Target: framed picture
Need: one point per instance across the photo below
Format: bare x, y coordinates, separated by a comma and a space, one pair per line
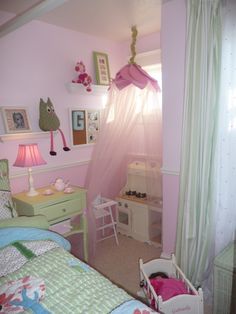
92, 125
78, 120
102, 68
16, 119
84, 126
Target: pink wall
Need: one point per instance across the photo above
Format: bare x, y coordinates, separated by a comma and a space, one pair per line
173, 31
144, 44
36, 61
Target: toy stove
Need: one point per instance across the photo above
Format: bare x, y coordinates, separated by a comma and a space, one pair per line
140, 203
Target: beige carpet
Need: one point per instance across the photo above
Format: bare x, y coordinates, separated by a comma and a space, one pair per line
120, 263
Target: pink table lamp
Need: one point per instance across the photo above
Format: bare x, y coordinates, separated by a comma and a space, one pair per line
29, 156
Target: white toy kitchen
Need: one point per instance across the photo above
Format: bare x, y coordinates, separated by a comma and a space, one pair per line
139, 210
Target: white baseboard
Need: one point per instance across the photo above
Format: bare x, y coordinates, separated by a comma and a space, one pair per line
165, 255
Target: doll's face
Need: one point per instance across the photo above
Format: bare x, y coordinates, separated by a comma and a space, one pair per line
18, 120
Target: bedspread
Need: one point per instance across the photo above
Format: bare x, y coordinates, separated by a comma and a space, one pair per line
72, 286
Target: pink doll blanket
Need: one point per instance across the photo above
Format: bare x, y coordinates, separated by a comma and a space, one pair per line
168, 287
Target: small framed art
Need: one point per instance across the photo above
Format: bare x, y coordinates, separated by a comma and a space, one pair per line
16, 119
78, 120
84, 126
102, 68
92, 126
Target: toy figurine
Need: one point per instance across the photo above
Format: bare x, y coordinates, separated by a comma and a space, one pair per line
83, 78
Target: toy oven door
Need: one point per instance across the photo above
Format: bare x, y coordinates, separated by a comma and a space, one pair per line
124, 217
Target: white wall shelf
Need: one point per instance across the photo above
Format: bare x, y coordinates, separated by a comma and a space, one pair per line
97, 90
25, 135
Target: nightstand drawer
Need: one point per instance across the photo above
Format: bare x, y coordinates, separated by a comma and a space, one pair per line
57, 211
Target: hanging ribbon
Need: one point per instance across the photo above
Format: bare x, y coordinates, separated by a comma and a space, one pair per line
132, 46
132, 73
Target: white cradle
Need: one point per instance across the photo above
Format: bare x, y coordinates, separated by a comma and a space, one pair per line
184, 303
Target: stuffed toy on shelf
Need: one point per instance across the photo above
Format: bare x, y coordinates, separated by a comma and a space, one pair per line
83, 78
48, 121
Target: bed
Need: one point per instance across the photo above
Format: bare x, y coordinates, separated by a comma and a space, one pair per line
70, 285
185, 299
39, 275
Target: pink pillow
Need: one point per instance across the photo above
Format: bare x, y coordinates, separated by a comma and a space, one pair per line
168, 287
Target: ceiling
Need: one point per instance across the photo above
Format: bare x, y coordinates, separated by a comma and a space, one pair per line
111, 19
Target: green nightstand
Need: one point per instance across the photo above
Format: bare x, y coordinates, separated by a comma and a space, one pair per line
59, 208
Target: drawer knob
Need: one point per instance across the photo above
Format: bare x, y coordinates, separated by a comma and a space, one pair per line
126, 205
64, 210
119, 203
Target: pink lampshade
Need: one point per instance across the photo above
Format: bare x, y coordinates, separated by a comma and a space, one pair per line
29, 156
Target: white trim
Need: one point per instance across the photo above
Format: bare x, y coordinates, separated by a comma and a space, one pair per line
32, 13
143, 156
148, 58
165, 255
170, 172
97, 90
44, 169
23, 135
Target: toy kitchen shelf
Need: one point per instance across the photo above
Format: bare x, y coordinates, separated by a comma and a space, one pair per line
97, 90
138, 214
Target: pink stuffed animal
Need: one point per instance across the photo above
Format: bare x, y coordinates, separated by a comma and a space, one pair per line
83, 77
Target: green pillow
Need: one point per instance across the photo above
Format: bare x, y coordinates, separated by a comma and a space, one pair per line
39, 221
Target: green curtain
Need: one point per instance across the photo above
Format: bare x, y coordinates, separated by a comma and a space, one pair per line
201, 103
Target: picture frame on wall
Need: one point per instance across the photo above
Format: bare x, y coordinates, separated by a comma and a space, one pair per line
85, 124
102, 68
78, 120
16, 119
92, 126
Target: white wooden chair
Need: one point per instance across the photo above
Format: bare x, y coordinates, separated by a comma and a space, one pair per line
102, 208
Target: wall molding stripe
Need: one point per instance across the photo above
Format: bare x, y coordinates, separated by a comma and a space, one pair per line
170, 172
44, 169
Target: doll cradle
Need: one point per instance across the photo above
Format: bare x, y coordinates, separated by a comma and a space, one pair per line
184, 303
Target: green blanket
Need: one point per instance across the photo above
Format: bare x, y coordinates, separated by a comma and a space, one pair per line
71, 286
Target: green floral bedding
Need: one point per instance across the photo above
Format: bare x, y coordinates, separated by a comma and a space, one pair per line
71, 286
65, 284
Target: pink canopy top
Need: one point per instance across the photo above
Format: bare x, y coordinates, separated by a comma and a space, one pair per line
134, 74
